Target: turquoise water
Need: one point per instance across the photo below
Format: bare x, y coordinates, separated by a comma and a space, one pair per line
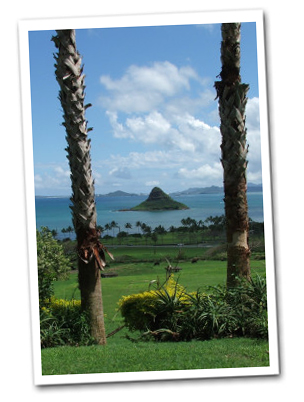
56, 214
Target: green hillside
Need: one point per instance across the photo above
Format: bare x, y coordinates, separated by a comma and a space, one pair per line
159, 201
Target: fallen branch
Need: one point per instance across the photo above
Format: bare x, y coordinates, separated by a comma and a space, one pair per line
115, 331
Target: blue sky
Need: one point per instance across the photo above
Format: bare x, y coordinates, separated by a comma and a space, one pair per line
154, 116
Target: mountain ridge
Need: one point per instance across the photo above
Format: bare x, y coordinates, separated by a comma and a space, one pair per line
117, 193
158, 200
251, 187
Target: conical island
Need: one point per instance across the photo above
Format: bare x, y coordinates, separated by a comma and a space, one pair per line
159, 201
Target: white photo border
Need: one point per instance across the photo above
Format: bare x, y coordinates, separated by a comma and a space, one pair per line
138, 20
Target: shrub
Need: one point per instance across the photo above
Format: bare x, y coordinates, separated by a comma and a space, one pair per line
62, 322
170, 313
148, 310
138, 310
249, 301
242, 310
208, 317
51, 334
52, 263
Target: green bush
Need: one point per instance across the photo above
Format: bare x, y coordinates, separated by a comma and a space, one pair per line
162, 312
62, 322
207, 317
249, 301
151, 309
52, 263
170, 313
138, 311
51, 334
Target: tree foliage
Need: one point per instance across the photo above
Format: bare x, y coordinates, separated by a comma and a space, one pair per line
53, 264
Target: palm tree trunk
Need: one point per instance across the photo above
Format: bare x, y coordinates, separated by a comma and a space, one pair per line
232, 103
90, 251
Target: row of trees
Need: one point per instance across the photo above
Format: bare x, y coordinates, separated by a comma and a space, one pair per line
190, 231
214, 226
188, 224
214, 223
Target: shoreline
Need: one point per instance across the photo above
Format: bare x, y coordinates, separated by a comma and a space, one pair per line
152, 210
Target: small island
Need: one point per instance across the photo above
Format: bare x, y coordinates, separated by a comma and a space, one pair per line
159, 201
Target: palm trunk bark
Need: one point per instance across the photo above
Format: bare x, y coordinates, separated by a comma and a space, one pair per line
90, 250
232, 102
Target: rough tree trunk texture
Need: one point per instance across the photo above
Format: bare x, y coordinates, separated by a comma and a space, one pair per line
232, 103
90, 250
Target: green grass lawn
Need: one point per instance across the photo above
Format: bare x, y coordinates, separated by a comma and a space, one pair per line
122, 355
134, 277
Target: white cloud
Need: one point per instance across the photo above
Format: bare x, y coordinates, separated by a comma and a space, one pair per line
253, 140
120, 172
51, 178
205, 175
39, 182
118, 129
181, 131
159, 108
49, 181
254, 177
141, 160
208, 27
162, 122
152, 183
143, 88
191, 104
155, 107
60, 172
38, 178
204, 138
253, 114
161, 77
151, 128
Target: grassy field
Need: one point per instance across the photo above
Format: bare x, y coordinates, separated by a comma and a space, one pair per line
135, 268
121, 355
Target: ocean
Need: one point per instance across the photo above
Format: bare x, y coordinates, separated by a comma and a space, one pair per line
54, 212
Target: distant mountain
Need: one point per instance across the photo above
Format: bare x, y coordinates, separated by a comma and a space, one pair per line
159, 201
215, 190
199, 190
118, 193
191, 191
